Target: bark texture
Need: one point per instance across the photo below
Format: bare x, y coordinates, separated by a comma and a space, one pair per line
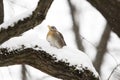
44, 62
110, 9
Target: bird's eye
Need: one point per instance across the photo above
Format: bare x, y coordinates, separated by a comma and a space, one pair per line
53, 28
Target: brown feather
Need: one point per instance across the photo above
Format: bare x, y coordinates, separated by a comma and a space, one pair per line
55, 38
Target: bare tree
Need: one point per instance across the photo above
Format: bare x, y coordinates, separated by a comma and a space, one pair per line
102, 48
76, 27
110, 9
39, 59
1, 11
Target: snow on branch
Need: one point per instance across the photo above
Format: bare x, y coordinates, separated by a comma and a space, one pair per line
19, 26
65, 63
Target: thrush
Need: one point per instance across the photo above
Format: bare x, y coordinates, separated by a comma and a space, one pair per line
55, 38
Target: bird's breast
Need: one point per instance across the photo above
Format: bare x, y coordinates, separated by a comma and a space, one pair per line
50, 37
53, 39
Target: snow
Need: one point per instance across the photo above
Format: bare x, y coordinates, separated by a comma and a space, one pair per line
14, 20
66, 54
115, 75
59, 16
37, 36
74, 57
10, 71
42, 76
18, 16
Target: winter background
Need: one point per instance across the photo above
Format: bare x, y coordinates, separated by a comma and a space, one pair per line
92, 25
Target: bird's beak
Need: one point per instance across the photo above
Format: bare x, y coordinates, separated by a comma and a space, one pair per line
49, 27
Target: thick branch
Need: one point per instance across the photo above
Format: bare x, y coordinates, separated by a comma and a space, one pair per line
44, 62
1, 11
30, 22
110, 9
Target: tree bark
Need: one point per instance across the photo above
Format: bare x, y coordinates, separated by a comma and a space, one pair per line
102, 48
110, 9
76, 27
44, 62
1, 11
30, 22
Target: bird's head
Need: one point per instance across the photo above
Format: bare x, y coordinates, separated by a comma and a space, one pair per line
52, 28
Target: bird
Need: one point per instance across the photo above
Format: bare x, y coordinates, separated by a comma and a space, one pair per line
55, 38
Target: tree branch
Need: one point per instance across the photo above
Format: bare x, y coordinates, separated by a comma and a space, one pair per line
30, 22
76, 27
110, 9
37, 57
44, 62
1, 11
102, 48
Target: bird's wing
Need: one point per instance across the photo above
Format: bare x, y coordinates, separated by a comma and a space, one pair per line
62, 38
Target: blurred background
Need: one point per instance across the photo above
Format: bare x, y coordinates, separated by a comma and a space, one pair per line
82, 26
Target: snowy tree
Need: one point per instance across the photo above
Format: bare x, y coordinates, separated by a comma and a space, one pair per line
65, 63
